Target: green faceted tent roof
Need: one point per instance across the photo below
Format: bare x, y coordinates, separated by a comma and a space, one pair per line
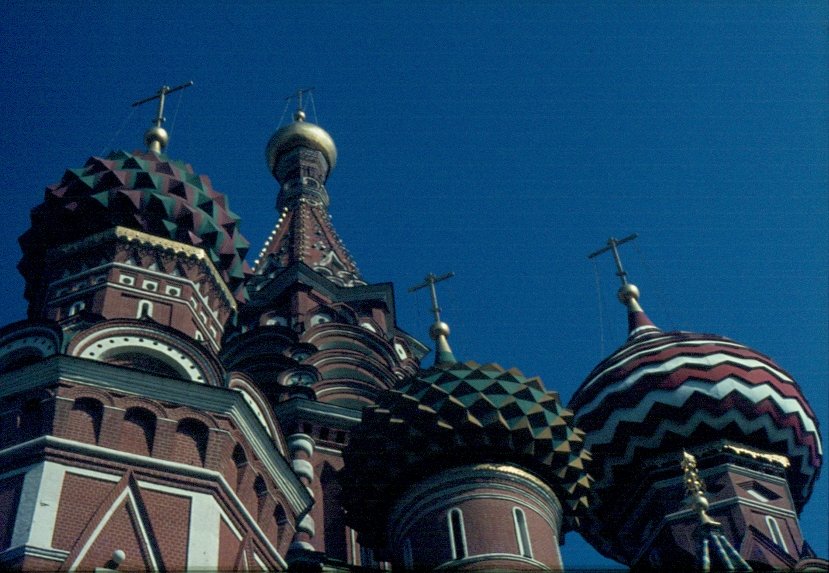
142, 191
456, 414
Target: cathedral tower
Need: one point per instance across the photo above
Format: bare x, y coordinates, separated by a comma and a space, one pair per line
315, 338
754, 439
124, 442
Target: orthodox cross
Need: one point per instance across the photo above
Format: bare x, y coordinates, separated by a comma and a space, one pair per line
612, 245
298, 95
430, 282
160, 96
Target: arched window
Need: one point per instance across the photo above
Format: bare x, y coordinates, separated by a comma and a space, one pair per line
522, 533
85, 419
261, 493
457, 533
775, 533
191, 442
138, 432
145, 309
281, 519
240, 460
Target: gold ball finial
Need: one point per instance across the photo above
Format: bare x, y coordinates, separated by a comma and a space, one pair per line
156, 139
438, 329
299, 115
628, 292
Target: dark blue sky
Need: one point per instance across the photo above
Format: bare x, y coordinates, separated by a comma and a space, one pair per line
501, 141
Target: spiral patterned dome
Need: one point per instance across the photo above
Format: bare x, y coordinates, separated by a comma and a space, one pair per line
454, 414
142, 191
665, 391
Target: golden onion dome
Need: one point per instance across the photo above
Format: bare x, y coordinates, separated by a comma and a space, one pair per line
300, 133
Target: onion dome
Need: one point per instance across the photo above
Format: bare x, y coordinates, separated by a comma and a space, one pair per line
300, 134
143, 191
664, 391
455, 414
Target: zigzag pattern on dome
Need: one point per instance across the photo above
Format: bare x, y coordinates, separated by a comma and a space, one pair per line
456, 414
695, 386
142, 191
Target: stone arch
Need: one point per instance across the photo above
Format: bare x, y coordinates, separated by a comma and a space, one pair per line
260, 407
150, 347
24, 343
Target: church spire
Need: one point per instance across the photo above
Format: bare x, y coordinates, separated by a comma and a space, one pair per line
439, 331
628, 293
301, 156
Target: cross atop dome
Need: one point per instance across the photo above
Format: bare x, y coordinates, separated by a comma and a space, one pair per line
439, 331
299, 114
156, 138
628, 293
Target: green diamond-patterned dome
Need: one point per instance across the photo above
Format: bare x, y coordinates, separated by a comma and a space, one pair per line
456, 414
142, 191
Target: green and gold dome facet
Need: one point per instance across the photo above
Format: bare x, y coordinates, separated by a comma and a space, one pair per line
455, 414
143, 191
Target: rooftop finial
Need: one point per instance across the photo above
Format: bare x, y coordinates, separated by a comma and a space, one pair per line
299, 114
628, 293
156, 138
439, 331
612, 245
695, 488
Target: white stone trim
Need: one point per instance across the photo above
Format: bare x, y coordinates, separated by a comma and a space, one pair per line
456, 511
37, 510
522, 531
212, 399
303, 468
532, 564
113, 340
448, 488
127, 495
205, 521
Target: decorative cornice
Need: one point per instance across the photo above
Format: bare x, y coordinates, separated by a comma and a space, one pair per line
778, 459
32, 551
131, 235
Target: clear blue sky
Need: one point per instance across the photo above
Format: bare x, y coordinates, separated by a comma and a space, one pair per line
501, 141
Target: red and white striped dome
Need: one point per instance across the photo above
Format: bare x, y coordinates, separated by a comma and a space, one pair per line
662, 391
